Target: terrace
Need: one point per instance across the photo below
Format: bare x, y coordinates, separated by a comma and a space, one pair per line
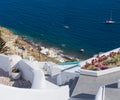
102, 63
30, 85
98, 71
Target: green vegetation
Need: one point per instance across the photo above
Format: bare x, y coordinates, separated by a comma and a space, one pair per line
3, 48
15, 70
104, 62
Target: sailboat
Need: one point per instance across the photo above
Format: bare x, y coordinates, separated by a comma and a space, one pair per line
110, 21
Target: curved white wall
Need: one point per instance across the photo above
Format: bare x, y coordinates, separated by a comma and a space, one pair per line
26, 71
38, 80
39, 91
11, 93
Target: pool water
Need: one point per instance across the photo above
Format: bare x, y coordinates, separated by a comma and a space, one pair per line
69, 63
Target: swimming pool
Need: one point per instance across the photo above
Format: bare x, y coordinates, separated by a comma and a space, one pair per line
68, 63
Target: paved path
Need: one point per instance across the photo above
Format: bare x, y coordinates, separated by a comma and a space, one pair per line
6, 80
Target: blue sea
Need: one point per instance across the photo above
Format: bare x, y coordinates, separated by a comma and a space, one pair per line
68, 25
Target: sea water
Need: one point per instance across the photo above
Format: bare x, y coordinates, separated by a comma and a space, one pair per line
69, 25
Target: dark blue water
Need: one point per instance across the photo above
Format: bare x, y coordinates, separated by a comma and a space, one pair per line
44, 21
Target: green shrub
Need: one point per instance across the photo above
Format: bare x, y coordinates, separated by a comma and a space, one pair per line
15, 70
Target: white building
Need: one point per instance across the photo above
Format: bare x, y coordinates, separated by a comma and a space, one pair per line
41, 89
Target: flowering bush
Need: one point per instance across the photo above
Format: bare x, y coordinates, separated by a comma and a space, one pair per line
104, 62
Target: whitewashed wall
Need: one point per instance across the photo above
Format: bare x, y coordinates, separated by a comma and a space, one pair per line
39, 80
11, 93
100, 94
26, 71
53, 70
30, 71
4, 62
41, 64
65, 77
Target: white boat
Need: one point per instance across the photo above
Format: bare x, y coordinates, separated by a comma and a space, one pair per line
67, 27
110, 21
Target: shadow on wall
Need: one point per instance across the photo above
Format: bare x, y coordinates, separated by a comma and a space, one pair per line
85, 96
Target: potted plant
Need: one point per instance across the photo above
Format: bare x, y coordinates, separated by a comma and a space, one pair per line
15, 73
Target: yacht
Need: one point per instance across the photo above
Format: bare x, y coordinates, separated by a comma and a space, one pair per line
110, 21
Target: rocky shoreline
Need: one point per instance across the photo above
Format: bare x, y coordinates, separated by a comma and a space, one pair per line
28, 50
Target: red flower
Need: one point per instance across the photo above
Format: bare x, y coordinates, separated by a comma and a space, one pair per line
99, 65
